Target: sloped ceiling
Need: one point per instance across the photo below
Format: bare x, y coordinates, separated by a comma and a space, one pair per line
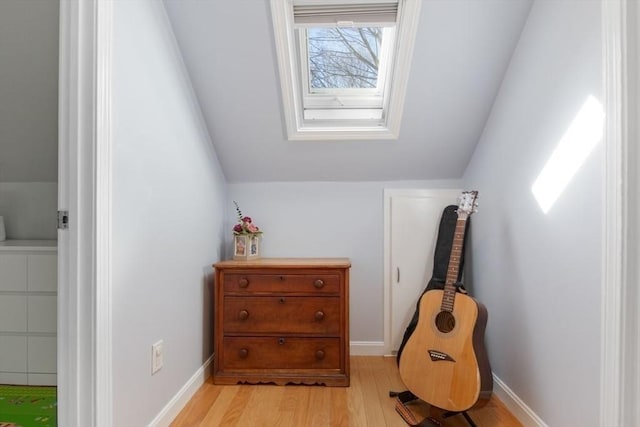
462, 51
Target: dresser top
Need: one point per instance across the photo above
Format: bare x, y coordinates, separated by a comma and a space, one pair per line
287, 263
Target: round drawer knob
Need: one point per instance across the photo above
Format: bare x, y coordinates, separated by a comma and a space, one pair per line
243, 283
320, 354
243, 315
243, 353
281, 341
281, 300
319, 283
319, 315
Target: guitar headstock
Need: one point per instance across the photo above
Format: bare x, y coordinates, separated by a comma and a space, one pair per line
468, 204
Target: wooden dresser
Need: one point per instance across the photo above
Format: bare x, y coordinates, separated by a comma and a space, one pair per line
282, 320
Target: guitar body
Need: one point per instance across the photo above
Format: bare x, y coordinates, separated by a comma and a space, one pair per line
444, 362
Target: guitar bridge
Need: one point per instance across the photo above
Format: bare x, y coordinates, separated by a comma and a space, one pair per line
438, 356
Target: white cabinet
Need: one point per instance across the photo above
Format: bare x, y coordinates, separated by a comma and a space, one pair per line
13, 272
42, 270
13, 313
28, 312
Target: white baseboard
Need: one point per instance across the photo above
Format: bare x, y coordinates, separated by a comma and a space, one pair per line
175, 405
367, 348
516, 406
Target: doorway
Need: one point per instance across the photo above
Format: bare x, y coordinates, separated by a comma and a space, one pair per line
29, 54
412, 218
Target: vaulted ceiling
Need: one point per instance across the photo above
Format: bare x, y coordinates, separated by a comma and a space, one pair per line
462, 50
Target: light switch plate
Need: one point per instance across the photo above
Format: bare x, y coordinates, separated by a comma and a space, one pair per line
157, 356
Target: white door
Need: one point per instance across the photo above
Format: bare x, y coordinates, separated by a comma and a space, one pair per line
412, 218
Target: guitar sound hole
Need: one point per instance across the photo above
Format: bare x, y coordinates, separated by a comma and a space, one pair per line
445, 322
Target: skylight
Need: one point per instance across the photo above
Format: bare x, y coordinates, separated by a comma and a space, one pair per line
343, 57
344, 71
343, 67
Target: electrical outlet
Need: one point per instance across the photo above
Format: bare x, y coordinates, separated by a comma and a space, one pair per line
157, 356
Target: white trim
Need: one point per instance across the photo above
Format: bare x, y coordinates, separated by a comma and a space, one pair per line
103, 212
614, 287
84, 332
367, 348
516, 406
77, 399
182, 397
405, 39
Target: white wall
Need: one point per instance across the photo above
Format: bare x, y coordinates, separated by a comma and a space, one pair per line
540, 274
29, 117
29, 91
169, 197
328, 219
29, 209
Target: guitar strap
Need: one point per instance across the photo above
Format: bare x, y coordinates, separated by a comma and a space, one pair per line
402, 399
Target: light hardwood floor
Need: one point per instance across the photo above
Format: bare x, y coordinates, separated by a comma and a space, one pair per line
365, 403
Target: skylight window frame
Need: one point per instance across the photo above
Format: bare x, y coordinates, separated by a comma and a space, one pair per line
330, 124
345, 98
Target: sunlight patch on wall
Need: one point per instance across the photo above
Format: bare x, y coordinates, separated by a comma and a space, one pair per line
582, 136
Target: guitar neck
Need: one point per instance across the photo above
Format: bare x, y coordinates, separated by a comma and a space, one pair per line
454, 264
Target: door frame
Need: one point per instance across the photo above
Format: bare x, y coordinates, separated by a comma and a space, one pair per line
84, 190
620, 324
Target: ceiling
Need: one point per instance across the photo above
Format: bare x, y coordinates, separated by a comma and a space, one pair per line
462, 51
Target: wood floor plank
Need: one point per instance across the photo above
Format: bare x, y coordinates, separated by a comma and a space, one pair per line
355, 400
318, 412
365, 403
198, 406
220, 407
237, 406
299, 396
383, 387
339, 407
262, 407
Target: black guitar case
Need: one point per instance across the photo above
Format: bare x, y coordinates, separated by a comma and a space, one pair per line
441, 257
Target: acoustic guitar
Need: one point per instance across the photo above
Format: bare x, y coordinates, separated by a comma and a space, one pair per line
444, 361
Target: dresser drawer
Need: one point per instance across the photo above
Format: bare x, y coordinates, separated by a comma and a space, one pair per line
289, 353
310, 283
282, 314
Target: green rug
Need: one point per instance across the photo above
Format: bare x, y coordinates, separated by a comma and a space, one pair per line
27, 406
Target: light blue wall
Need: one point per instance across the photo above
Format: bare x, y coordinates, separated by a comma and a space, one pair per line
169, 198
29, 118
540, 274
329, 219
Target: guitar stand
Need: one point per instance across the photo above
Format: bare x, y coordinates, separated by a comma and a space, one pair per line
406, 414
464, 414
